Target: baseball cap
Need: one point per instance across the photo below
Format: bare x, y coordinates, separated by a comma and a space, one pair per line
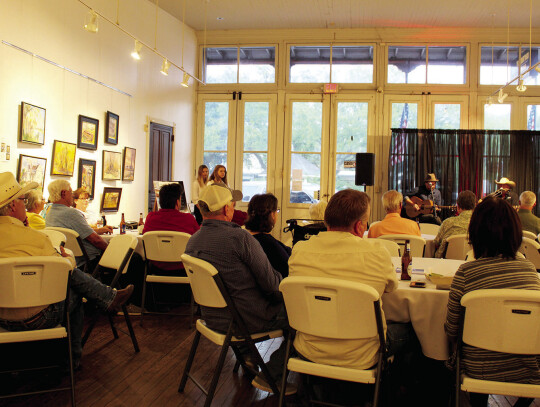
217, 196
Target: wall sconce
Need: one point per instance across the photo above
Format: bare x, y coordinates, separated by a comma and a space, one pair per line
136, 54
185, 80
91, 22
165, 67
521, 87
502, 96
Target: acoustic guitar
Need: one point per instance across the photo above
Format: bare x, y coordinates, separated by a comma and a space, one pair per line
426, 207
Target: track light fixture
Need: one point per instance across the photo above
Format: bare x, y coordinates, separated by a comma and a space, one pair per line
521, 87
91, 22
136, 54
502, 96
165, 67
489, 101
185, 80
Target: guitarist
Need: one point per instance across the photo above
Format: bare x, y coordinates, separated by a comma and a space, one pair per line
428, 191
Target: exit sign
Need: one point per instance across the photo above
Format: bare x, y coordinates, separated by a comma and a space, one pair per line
330, 88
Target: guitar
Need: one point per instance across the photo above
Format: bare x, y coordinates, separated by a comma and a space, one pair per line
426, 207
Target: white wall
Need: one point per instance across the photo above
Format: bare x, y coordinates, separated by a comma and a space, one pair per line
54, 30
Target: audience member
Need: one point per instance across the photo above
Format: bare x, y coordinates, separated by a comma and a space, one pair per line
393, 223
80, 202
34, 205
529, 222
219, 176
198, 185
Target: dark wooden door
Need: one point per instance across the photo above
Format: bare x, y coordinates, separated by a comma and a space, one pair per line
161, 139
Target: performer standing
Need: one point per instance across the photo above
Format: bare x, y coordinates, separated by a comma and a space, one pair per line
428, 191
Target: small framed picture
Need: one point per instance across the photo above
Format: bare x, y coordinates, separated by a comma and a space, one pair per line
32, 124
111, 128
31, 169
87, 176
110, 201
112, 165
128, 171
88, 133
63, 158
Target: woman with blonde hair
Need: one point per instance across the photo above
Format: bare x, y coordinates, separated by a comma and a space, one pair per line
198, 185
34, 205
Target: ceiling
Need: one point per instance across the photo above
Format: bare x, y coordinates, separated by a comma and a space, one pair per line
287, 14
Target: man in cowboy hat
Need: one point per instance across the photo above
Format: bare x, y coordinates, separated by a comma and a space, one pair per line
427, 192
505, 191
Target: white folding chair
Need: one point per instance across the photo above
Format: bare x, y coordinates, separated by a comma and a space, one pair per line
391, 246
73, 243
457, 247
164, 246
417, 243
116, 257
429, 229
470, 256
500, 320
34, 282
528, 234
315, 307
531, 251
210, 291
57, 238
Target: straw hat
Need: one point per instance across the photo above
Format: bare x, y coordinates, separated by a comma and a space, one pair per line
506, 181
431, 178
10, 188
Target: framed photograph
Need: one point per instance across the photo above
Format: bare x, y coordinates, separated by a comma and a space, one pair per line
63, 158
111, 128
87, 176
128, 171
112, 165
32, 124
88, 133
31, 169
110, 201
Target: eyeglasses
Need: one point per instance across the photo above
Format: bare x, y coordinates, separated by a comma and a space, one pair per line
278, 210
24, 199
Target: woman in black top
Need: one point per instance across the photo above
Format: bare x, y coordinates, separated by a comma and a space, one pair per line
262, 215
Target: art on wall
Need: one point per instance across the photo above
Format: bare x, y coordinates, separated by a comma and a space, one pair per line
128, 170
63, 158
110, 201
32, 124
87, 176
111, 128
31, 169
112, 165
88, 133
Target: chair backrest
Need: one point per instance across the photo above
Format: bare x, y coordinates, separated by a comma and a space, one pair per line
73, 241
457, 247
531, 251
391, 246
417, 243
470, 255
429, 229
118, 252
322, 307
57, 238
165, 245
503, 320
528, 234
33, 281
203, 284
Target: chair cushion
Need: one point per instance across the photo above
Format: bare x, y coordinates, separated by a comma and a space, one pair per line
491, 387
36, 335
219, 338
333, 372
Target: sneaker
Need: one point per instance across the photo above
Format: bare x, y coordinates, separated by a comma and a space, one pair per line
260, 383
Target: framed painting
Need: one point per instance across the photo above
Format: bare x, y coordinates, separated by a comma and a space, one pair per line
31, 169
112, 165
88, 133
32, 124
87, 176
128, 171
63, 158
111, 128
110, 201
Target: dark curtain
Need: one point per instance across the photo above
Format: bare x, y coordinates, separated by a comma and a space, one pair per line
402, 160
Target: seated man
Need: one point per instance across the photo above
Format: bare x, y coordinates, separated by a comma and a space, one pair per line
529, 222
393, 223
246, 272
17, 240
455, 225
426, 192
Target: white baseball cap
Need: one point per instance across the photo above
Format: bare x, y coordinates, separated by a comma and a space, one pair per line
216, 196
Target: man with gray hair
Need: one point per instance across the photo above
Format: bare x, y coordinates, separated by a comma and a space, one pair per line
529, 222
393, 223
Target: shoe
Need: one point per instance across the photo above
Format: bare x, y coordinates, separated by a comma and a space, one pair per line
260, 383
121, 298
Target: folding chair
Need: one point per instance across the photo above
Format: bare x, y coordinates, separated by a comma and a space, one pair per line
57, 238
417, 243
500, 320
116, 257
528, 234
165, 246
32, 282
457, 247
531, 251
210, 291
320, 306
392, 247
73, 243
429, 229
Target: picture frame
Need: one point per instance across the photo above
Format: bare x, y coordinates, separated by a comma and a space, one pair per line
32, 126
31, 169
111, 128
63, 158
110, 200
112, 166
128, 169
87, 176
87, 135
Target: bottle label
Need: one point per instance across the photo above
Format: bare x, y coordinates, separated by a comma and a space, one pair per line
123, 229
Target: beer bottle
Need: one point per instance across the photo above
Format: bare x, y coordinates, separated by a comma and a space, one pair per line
104, 219
406, 261
141, 221
123, 225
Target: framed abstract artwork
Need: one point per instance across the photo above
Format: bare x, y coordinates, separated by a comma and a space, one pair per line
32, 124
63, 158
111, 128
128, 170
112, 165
110, 201
88, 133
87, 176
31, 169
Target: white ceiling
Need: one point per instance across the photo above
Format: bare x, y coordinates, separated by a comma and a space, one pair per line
284, 14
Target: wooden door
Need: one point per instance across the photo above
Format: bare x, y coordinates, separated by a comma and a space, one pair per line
160, 162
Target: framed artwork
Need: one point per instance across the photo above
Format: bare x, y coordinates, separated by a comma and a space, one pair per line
63, 158
32, 124
88, 133
110, 201
111, 128
128, 171
87, 176
112, 165
31, 169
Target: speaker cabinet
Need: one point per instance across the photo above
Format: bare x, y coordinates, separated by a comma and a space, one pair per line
365, 169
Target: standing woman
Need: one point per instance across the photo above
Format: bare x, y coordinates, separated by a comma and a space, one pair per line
219, 175
34, 205
198, 185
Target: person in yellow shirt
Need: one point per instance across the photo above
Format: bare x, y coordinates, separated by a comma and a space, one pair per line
34, 205
393, 223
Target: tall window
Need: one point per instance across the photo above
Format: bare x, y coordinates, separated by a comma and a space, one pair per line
216, 128
499, 64
497, 116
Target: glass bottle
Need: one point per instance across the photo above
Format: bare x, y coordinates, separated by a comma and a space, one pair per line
104, 219
406, 262
141, 221
123, 225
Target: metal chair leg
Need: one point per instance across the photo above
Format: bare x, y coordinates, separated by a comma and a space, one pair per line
189, 362
130, 329
143, 299
113, 328
284, 377
219, 367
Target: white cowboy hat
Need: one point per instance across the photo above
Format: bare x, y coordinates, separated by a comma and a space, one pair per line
431, 178
506, 181
10, 188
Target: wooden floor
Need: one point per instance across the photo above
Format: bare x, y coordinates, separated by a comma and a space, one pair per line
113, 374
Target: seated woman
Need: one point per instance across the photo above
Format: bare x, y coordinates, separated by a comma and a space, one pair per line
80, 202
34, 205
262, 216
495, 234
219, 176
